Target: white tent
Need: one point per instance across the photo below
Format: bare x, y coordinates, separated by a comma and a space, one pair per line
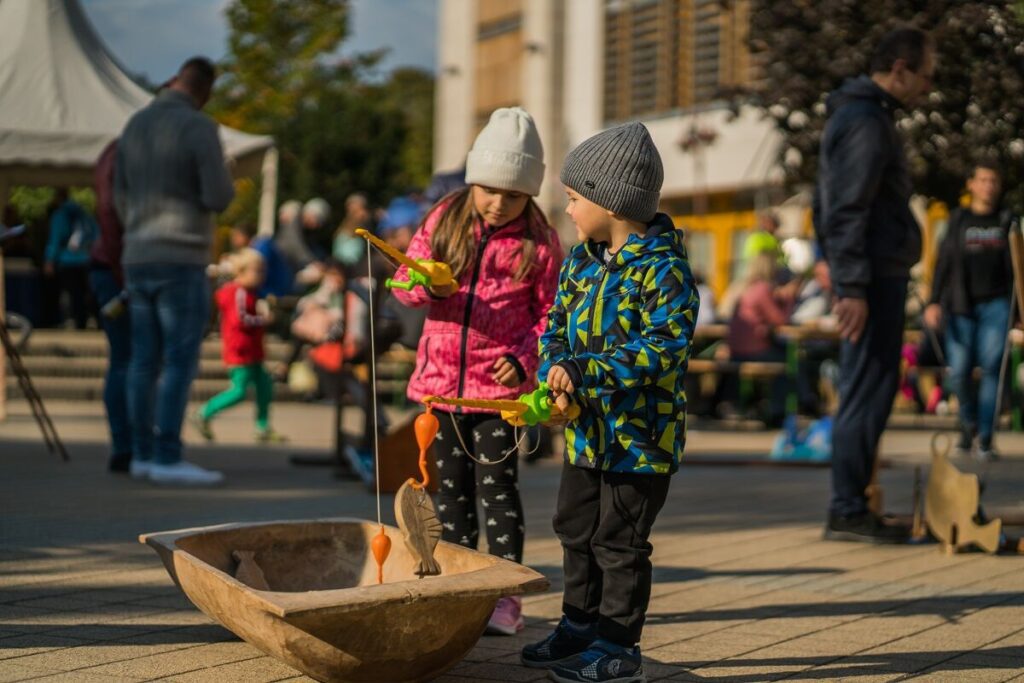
63, 97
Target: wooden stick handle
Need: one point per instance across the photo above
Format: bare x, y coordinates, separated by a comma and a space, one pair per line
509, 406
392, 252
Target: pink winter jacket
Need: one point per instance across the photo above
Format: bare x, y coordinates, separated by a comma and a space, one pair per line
491, 316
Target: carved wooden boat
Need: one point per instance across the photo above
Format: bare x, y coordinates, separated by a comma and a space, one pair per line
324, 613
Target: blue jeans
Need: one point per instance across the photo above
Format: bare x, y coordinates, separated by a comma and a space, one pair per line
978, 340
170, 305
115, 387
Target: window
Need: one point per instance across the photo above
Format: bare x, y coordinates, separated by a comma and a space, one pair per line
663, 56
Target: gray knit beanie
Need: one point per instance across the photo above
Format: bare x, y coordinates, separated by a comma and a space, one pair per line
619, 170
507, 154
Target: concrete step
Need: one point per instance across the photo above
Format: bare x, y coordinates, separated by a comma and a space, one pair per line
79, 388
91, 389
71, 364
209, 368
93, 344
96, 367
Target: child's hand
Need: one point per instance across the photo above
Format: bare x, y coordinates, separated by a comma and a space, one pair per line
506, 374
264, 311
562, 416
560, 382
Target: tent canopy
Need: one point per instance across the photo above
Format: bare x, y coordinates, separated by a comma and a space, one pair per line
63, 97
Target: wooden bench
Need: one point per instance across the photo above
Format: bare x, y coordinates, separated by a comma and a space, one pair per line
748, 372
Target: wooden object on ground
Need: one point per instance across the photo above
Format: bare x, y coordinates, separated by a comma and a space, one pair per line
951, 505
420, 526
324, 614
761, 370
917, 530
399, 460
248, 572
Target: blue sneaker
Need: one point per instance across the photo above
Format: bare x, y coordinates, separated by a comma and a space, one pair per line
564, 642
603, 662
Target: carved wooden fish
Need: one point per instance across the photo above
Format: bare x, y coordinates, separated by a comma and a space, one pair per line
420, 526
248, 572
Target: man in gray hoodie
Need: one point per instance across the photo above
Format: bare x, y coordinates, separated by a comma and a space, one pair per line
170, 181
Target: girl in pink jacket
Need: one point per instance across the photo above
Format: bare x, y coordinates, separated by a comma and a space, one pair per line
480, 336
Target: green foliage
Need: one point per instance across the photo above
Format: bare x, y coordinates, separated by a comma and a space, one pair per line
275, 48
411, 92
810, 46
31, 203
338, 130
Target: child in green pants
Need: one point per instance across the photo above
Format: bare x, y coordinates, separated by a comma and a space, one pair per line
242, 321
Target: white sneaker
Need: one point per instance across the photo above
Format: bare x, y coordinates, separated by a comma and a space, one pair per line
139, 469
184, 473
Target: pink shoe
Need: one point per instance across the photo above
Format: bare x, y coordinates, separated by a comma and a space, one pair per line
507, 619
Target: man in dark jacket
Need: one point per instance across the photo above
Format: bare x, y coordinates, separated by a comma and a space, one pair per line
870, 239
971, 289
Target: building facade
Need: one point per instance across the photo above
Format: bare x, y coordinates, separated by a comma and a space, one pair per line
580, 66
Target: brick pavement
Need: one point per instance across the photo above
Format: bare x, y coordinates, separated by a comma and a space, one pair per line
745, 588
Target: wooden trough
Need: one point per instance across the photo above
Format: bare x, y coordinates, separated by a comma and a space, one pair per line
324, 613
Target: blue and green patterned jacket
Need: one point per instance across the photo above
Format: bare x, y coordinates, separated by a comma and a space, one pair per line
622, 331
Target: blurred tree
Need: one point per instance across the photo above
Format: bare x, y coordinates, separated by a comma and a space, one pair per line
809, 46
411, 91
31, 203
275, 49
347, 138
339, 128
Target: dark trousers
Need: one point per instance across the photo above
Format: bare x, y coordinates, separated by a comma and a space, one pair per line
115, 386
75, 281
603, 520
869, 373
463, 480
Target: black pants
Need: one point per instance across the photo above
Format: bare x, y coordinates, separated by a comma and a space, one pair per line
869, 373
75, 281
463, 481
603, 520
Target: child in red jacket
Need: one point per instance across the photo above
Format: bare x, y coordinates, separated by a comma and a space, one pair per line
242, 320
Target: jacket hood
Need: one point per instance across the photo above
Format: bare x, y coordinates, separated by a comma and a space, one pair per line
859, 88
661, 236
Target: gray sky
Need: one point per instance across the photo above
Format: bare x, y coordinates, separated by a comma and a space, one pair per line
153, 37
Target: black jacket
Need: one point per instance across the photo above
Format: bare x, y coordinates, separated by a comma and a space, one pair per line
949, 283
862, 200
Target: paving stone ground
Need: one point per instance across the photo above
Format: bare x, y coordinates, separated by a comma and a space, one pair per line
745, 589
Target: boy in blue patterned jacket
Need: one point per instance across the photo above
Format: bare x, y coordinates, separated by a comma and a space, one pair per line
617, 343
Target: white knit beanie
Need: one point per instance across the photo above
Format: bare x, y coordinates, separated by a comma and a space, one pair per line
507, 154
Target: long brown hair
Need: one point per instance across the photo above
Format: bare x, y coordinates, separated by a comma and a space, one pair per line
454, 241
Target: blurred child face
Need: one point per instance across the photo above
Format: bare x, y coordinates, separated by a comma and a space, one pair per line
252, 275
239, 238
592, 221
498, 207
335, 279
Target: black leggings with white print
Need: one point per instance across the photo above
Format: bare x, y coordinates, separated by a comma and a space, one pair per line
463, 481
